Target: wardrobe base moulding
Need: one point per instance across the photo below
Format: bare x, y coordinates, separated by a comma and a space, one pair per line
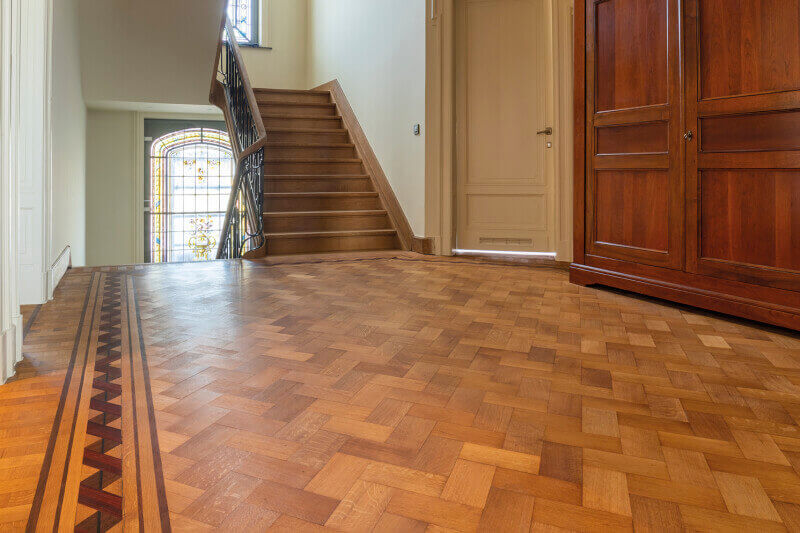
779, 310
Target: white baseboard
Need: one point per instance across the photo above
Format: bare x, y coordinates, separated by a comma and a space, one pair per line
57, 271
10, 349
564, 252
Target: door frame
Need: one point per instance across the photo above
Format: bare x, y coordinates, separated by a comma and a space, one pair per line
440, 117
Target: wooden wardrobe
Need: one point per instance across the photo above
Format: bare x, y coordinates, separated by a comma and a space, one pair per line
687, 147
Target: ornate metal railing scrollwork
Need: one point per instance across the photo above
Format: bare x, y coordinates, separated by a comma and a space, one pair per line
243, 228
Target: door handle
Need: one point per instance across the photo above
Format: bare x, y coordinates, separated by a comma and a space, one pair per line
688, 135
547, 131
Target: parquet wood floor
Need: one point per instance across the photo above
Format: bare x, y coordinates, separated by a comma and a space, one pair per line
413, 394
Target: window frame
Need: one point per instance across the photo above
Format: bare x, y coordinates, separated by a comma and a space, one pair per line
155, 127
255, 24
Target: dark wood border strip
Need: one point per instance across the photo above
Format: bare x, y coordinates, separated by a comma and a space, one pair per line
158, 470
47, 501
145, 502
31, 319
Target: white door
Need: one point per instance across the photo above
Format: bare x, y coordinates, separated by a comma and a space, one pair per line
504, 168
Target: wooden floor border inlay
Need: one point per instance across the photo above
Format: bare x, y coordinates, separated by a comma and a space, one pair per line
102, 466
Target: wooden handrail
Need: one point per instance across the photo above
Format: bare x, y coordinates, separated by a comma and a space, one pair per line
216, 94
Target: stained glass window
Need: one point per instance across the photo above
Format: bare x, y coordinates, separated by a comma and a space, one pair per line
191, 172
243, 15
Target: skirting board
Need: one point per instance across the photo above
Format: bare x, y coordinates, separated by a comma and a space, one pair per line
779, 315
10, 349
424, 245
58, 270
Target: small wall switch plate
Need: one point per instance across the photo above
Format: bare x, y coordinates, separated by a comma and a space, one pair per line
417, 129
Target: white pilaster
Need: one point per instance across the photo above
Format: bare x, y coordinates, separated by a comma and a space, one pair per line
10, 318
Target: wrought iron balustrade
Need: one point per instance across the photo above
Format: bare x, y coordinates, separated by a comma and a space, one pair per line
243, 228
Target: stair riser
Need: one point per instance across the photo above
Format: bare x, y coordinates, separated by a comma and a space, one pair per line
295, 98
323, 167
320, 185
321, 204
310, 151
310, 123
328, 223
306, 137
331, 244
277, 109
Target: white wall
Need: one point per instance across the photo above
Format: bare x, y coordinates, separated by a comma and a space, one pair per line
281, 61
376, 49
148, 51
68, 142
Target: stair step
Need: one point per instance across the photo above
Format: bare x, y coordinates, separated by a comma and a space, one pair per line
281, 150
289, 95
331, 241
298, 109
326, 221
307, 135
318, 183
301, 121
319, 194
313, 165
314, 234
358, 212
321, 201
294, 177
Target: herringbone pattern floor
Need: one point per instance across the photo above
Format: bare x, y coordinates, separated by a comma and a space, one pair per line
28, 402
411, 395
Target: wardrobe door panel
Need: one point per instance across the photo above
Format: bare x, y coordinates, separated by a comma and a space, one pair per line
743, 168
628, 74
748, 47
634, 186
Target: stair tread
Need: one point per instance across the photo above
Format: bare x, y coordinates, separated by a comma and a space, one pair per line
312, 117
313, 160
345, 213
342, 233
319, 193
298, 104
306, 130
291, 91
304, 144
277, 177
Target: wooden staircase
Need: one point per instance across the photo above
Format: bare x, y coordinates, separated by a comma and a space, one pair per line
318, 196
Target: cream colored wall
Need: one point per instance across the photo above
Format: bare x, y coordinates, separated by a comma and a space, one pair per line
376, 49
281, 61
68, 121
115, 177
151, 51
110, 187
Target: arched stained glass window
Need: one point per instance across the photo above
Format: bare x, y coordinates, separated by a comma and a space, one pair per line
191, 172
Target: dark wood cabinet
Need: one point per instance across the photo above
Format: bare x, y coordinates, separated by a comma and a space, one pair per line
688, 152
